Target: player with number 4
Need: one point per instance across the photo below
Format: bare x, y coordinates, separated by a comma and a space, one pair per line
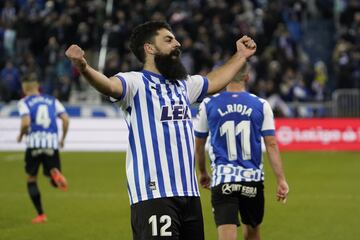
235, 121
38, 122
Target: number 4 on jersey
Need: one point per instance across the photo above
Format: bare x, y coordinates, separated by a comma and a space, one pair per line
42, 116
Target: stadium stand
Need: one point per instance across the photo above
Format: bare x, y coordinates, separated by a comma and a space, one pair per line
307, 49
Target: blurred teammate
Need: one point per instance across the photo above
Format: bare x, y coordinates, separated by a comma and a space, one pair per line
38, 122
235, 121
160, 169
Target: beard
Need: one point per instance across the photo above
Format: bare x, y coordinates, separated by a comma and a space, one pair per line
170, 65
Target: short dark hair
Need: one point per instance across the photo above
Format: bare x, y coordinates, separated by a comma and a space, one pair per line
30, 77
145, 33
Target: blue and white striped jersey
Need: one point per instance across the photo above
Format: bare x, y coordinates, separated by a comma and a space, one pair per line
43, 111
160, 154
235, 123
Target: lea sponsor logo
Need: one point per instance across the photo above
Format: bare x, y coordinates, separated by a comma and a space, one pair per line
175, 113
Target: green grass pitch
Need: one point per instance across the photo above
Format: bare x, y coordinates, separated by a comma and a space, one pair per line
324, 200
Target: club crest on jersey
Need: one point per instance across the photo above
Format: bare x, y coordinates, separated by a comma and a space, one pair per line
175, 113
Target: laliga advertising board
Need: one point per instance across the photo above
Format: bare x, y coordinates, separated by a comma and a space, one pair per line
110, 134
318, 134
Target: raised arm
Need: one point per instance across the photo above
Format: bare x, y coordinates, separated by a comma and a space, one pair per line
221, 76
107, 86
272, 150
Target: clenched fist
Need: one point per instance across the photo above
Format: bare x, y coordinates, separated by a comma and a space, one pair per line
246, 46
76, 56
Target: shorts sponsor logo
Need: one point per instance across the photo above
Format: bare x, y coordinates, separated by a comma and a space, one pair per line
230, 188
247, 191
226, 189
47, 151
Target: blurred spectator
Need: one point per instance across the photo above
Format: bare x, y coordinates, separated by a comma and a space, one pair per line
320, 79
34, 32
10, 84
64, 72
50, 59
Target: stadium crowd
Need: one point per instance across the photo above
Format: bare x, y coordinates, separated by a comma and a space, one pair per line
290, 64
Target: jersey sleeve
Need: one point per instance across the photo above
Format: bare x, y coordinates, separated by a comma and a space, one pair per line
59, 107
130, 86
197, 87
201, 126
268, 126
23, 108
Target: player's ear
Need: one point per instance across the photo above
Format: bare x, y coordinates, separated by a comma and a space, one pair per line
149, 48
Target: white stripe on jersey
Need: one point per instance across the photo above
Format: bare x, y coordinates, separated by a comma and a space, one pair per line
133, 196
37, 139
139, 159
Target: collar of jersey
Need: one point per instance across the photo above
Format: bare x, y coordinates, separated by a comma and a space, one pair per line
149, 74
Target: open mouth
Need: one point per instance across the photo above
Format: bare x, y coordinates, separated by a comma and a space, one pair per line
175, 53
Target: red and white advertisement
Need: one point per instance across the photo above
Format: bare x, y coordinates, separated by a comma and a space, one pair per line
318, 134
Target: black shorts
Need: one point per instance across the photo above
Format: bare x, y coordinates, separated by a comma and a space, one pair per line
175, 218
230, 199
34, 157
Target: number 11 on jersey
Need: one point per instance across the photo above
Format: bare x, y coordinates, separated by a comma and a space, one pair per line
228, 128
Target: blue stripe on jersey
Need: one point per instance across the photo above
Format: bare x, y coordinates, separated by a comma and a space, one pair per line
123, 82
191, 160
201, 134
135, 165
154, 141
167, 141
193, 147
222, 177
186, 127
147, 74
268, 133
185, 96
180, 151
137, 106
130, 195
204, 90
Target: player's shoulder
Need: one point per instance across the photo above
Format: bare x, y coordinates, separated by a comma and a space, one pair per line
22, 102
130, 76
195, 77
211, 98
44, 95
257, 98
